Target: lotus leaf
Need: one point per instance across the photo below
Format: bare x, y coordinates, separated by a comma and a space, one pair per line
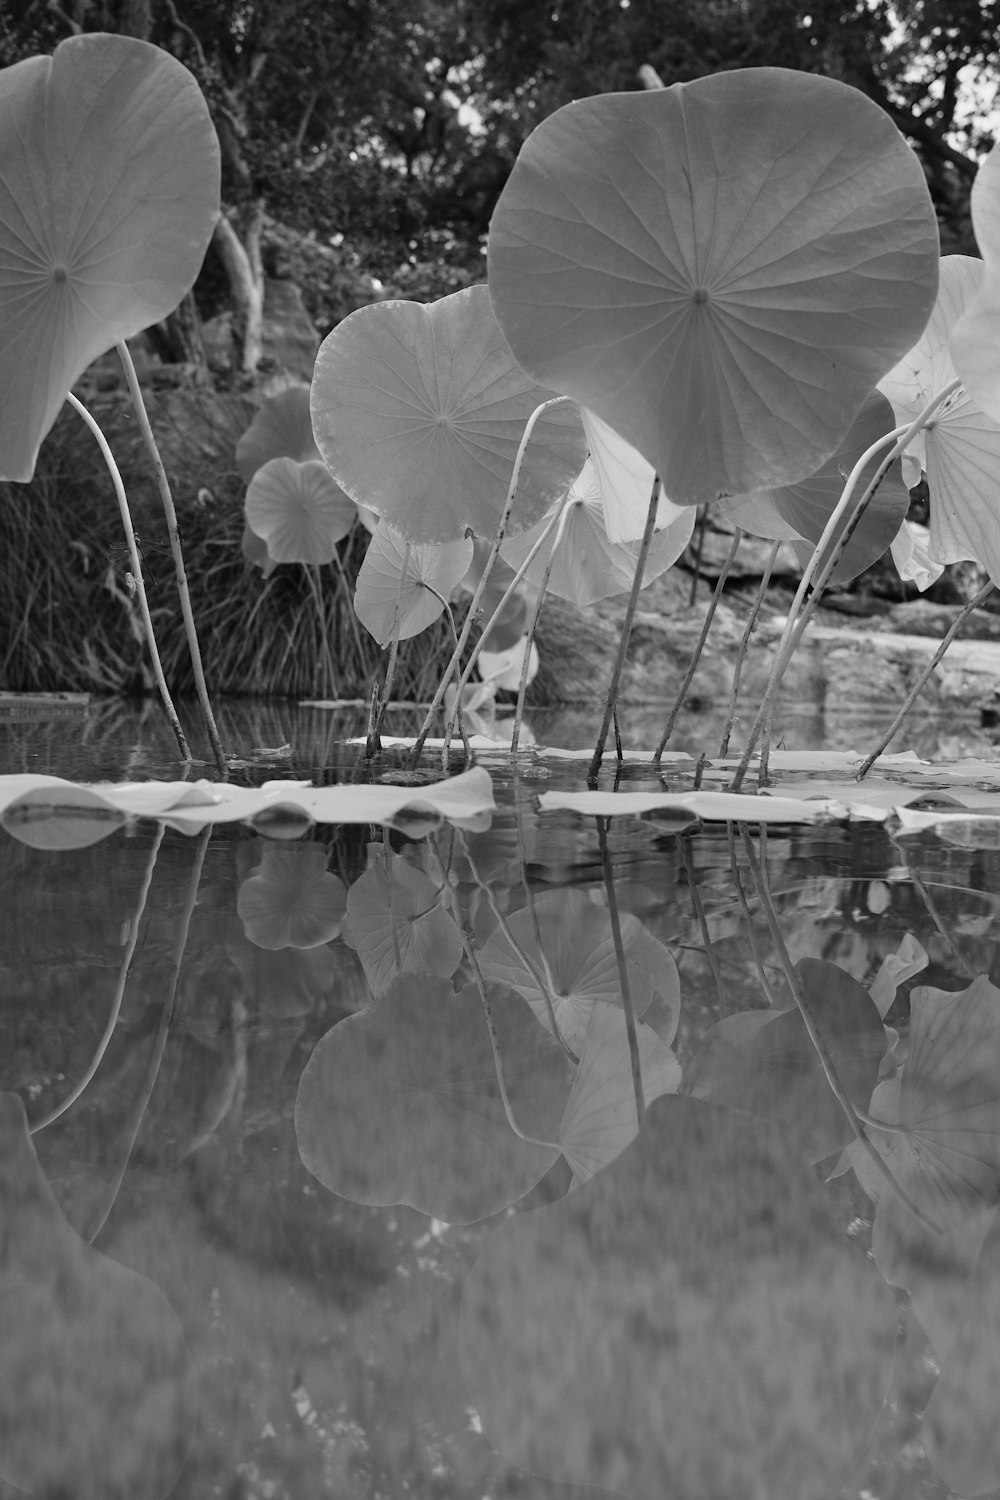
298, 510
720, 270
281, 428
109, 194
397, 924
292, 901
399, 583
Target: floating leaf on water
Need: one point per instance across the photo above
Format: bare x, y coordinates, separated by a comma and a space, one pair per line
726, 318
400, 1103
108, 201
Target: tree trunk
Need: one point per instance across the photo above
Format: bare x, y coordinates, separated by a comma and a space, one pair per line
246, 282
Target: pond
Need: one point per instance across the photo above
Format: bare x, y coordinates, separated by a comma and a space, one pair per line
333, 1185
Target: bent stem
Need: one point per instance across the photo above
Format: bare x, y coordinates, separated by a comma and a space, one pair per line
173, 533
792, 633
124, 971
700, 644
633, 599
522, 686
501, 532
924, 678
373, 744
816, 1038
140, 587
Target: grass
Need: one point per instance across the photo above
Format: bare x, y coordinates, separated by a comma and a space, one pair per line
68, 623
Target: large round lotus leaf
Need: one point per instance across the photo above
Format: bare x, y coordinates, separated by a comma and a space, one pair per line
721, 270
690, 1322
803, 509
419, 410
109, 193
299, 510
281, 428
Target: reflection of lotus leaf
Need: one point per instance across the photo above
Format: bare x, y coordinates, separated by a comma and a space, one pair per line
397, 915
95, 1383
400, 1103
292, 901
419, 411
578, 945
108, 200
764, 1062
690, 1322
720, 270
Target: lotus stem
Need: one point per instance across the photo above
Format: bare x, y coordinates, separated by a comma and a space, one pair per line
522, 686
140, 586
640, 568
742, 652
700, 645
900, 439
501, 532
178, 556
924, 678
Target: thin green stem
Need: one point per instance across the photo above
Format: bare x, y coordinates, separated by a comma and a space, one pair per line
640, 568
748, 631
699, 645
522, 686
501, 532
924, 678
173, 534
140, 587
900, 440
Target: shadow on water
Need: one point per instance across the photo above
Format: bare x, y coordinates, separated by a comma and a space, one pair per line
321, 1171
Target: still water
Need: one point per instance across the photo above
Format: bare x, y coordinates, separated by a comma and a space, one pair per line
320, 1174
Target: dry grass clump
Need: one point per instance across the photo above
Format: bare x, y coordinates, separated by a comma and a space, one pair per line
67, 618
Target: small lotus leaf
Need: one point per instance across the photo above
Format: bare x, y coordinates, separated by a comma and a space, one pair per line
419, 411
281, 428
399, 583
292, 901
720, 270
299, 510
109, 194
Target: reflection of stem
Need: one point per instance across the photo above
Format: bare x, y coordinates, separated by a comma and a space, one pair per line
924, 678
744, 644
501, 530
175, 549
123, 974
140, 587
702, 920
545, 984
390, 898
758, 957
163, 1032
713, 605
935, 916
797, 615
603, 824
819, 1044
633, 599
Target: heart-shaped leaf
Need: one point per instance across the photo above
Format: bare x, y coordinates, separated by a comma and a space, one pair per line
720, 270
419, 410
299, 510
399, 582
109, 194
400, 1103
281, 428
